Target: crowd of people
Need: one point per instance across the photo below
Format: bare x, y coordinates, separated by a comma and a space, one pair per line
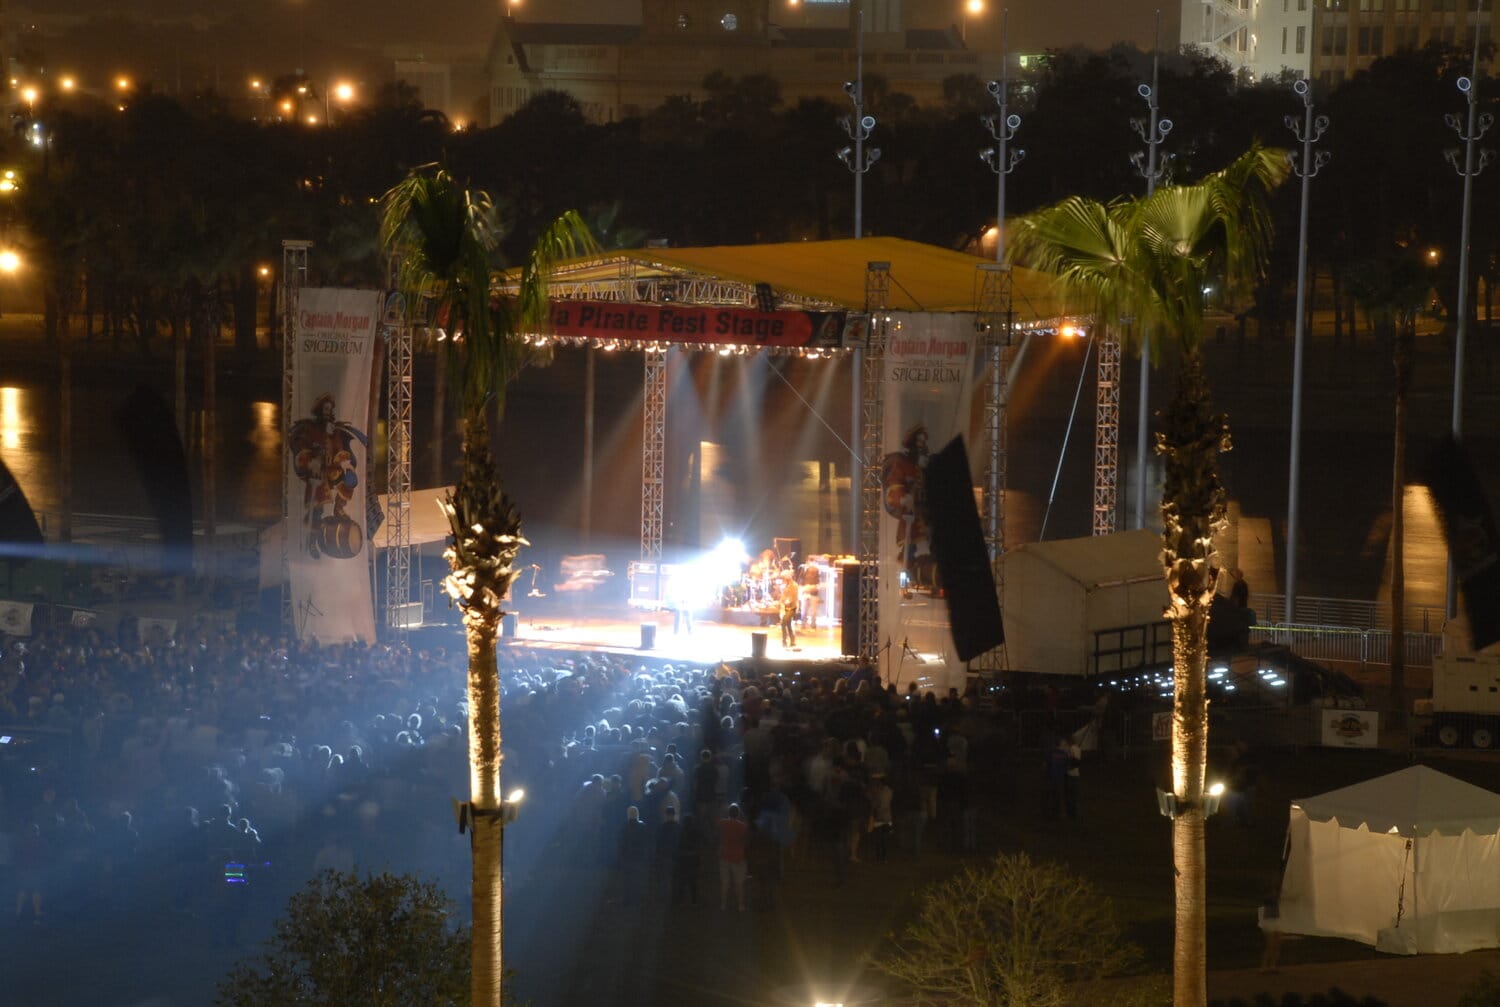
199, 774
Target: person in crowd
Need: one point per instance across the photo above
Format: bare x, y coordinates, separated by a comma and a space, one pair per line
635, 857
32, 857
882, 820
733, 869
688, 864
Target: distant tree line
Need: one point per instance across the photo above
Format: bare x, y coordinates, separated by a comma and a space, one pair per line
152, 222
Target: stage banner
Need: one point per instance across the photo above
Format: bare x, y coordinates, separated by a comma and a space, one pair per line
928, 387
327, 457
689, 323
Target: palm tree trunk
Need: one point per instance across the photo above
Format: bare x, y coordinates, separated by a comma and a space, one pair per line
1192, 510
1397, 705
487, 946
479, 504
439, 411
1189, 851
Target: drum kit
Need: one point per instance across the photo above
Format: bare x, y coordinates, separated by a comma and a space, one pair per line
759, 586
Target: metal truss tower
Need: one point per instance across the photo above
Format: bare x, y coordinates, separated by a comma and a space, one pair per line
293, 279
994, 321
653, 454
1107, 433
398, 375
871, 435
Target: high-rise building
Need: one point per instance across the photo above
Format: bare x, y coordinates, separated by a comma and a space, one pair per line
1327, 41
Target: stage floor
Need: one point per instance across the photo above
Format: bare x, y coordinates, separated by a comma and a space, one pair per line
710, 641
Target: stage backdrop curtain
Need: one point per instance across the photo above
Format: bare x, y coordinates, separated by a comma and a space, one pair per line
929, 379
328, 464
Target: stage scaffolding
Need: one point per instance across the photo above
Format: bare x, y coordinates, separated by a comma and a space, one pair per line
293, 279
398, 376
653, 454
994, 323
871, 437
1107, 432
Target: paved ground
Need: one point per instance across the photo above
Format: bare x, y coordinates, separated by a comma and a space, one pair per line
1416, 981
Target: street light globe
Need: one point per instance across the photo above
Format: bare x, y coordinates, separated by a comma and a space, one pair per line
9, 261
255, 83
28, 95
975, 6
67, 83
312, 119
343, 91
122, 83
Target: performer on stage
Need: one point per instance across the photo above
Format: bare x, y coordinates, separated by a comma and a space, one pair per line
810, 597
789, 600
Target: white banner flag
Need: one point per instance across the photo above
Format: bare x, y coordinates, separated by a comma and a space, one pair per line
929, 361
328, 464
15, 618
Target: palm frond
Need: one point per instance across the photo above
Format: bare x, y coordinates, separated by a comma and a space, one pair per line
1149, 259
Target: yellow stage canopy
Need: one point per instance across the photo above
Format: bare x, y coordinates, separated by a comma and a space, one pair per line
922, 277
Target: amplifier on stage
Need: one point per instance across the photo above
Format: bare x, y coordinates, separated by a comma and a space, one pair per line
650, 587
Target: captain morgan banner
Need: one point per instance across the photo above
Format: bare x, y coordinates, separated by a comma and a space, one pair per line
328, 555
928, 386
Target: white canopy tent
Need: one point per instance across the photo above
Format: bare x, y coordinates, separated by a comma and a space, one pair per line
1408, 863
1059, 594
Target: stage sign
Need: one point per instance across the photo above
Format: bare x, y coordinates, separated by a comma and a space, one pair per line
687, 323
327, 453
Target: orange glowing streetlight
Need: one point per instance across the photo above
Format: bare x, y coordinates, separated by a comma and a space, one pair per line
971, 8
123, 83
29, 95
67, 83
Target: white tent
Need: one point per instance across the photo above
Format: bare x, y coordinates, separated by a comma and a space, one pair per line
1059, 594
1408, 863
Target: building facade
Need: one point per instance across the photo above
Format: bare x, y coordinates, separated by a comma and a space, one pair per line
620, 71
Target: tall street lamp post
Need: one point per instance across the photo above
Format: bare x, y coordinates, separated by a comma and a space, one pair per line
1478, 124
1002, 126
1308, 131
1153, 130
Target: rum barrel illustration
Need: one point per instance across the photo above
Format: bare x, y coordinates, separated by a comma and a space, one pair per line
340, 537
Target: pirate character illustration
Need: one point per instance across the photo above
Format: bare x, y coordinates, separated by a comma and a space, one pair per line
903, 476
323, 457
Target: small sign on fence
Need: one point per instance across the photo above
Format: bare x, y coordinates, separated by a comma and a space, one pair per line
1161, 726
1350, 728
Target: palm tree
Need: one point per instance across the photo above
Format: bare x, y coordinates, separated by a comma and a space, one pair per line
444, 236
1150, 260
1391, 290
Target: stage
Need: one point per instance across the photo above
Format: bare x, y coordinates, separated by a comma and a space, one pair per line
711, 640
